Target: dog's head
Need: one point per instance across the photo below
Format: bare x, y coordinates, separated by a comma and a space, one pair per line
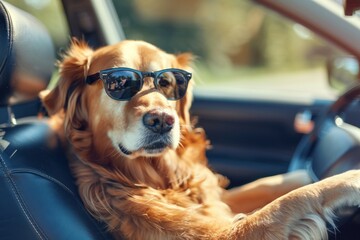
147, 124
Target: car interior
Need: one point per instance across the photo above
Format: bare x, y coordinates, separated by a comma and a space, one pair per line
250, 138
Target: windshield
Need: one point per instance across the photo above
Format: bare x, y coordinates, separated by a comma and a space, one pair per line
242, 48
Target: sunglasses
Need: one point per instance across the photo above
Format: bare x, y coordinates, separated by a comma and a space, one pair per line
123, 83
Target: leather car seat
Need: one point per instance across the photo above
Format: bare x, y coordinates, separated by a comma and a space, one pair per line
38, 197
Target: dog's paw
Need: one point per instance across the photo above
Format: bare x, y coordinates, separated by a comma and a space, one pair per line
310, 226
341, 190
333, 193
304, 212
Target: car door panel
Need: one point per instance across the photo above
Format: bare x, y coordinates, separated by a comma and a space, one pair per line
250, 138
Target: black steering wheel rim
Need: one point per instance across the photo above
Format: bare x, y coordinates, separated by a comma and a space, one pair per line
302, 155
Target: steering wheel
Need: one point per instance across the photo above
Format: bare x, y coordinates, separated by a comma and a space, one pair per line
333, 146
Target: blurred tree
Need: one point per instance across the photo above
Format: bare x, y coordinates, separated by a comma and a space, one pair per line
222, 33
144, 21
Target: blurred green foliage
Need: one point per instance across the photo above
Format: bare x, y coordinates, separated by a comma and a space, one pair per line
223, 33
232, 39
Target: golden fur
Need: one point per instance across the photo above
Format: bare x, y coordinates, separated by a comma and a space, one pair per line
172, 194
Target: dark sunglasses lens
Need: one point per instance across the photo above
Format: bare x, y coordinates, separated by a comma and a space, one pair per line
122, 85
172, 84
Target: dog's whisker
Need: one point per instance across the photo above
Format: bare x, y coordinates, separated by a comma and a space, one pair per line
181, 145
112, 153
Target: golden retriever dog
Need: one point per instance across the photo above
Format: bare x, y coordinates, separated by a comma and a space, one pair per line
140, 164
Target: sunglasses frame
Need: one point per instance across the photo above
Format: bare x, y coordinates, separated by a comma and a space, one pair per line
102, 74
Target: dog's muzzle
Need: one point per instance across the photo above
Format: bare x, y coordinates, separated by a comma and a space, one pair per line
158, 135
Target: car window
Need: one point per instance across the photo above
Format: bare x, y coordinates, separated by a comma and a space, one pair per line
242, 48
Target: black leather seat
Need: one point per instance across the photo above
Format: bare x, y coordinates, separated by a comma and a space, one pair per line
38, 198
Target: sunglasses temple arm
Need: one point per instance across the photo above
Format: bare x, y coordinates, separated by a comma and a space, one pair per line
92, 78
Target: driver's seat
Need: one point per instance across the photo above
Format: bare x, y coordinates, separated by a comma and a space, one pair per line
38, 198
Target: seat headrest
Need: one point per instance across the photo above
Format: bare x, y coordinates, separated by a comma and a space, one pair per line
26, 56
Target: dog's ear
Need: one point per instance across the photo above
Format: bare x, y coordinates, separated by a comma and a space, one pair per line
66, 99
185, 60
73, 70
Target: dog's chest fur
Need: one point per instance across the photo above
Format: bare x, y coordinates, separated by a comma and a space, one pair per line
148, 184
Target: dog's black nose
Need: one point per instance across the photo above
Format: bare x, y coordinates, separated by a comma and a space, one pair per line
158, 121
